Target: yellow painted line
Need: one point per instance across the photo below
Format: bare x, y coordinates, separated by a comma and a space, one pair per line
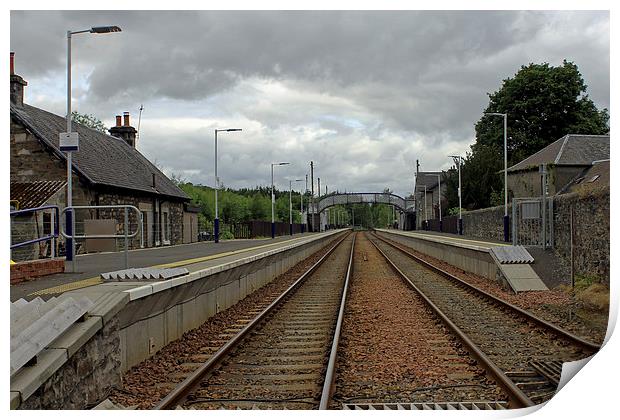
214, 256
68, 286
96, 280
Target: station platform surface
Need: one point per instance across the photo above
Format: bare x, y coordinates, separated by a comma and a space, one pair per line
451, 238
194, 257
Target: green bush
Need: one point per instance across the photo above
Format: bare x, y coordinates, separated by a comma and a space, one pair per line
227, 235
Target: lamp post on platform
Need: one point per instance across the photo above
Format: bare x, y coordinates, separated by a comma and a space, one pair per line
216, 221
273, 200
290, 203
70, 143
506, 218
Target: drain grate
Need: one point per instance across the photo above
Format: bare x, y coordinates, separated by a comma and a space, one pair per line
144, 274
469, 405
550, 370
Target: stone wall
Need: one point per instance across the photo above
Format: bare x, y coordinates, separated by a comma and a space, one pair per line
29, 159
24, 228
86, 378
591, 231
527, 183
485, 223
176, 222
591, 237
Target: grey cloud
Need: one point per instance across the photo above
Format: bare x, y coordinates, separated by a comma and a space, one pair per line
414, 81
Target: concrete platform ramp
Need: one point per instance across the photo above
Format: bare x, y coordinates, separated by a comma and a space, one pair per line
514, 265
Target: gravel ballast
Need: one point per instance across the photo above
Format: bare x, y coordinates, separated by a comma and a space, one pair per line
394, 349
147, 383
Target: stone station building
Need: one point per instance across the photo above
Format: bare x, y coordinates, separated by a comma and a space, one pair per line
107, 170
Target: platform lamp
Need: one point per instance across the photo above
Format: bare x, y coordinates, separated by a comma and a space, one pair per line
216, 221
70, 143
506, 217
273, 200
290, 203
458, 160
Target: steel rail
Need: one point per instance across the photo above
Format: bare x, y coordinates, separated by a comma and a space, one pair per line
328, 384
516, 396
528, 315
178, 394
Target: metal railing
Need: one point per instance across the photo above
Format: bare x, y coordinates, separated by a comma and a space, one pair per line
125, 234
52, 236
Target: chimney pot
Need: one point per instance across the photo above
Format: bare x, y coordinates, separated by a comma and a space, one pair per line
124, 130
17, 84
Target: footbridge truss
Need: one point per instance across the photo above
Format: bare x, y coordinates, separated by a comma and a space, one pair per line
404, 205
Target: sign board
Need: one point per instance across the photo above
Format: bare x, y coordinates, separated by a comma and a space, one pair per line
530, 210
69, 142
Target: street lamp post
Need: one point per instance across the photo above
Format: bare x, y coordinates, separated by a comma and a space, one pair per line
273, 200
70, 220
460, 227
216, 221
506, 217
290, 203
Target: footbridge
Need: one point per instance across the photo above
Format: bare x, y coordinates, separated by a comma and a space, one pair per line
405, 205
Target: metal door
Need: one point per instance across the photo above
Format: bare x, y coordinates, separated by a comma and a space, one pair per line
532, 222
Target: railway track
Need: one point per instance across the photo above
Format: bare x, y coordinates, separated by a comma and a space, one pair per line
520, 351
287, 356
284, 358
395, 352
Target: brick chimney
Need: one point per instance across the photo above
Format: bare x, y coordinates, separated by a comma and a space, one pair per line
17, 85
124, 131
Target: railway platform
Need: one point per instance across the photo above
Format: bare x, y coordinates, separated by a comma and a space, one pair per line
192, 256
497, 261
137, 318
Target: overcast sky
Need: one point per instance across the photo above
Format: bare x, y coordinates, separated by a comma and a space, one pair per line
362, 94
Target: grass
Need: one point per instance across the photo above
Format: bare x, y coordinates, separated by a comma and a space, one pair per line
590, 292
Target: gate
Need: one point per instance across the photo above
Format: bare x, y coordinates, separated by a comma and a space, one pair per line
532, 222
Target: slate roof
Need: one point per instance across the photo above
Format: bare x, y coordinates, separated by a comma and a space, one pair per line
102, 159
572, 149
594, 177
34, 194
429, 179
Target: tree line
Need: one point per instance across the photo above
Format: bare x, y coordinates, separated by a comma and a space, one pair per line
247, 204
243, 205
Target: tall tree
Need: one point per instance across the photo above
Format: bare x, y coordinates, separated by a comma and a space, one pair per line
543, 103
89, 120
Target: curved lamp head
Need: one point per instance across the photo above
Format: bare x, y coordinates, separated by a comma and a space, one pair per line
104, 29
